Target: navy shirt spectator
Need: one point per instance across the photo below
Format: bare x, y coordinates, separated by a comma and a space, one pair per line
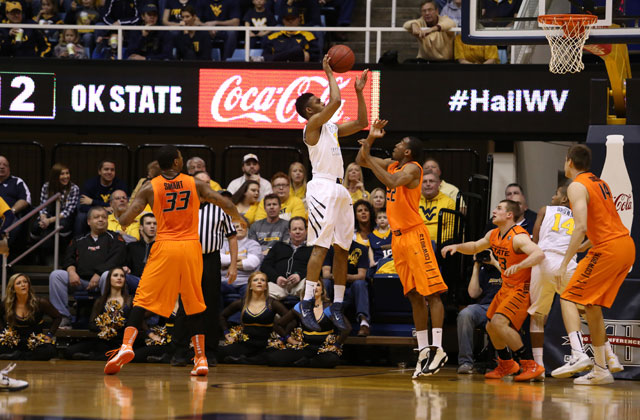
123, 12
192, 45
222, 13
309, 11
291, 45
84, 13
16, 194
357, 291
258, 17
150, 45
18, 42
49, 15
500, 9
173, 10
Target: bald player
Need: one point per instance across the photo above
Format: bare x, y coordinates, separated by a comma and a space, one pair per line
175, 261
601, 272
413, 254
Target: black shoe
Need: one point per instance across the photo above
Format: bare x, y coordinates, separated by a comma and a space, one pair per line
307, 316
15, 355
211, 359
236, 360
304, 362
334, 312
80, 356
179, 360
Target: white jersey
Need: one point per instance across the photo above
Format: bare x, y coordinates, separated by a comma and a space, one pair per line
556, 229
325, 156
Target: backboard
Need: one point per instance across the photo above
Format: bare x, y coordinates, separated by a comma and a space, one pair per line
484, 21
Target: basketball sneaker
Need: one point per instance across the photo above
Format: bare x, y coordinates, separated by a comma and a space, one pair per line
424, 358
597, 376
530, 370
200, 367
505, 368
438, 360
118, 358
614, 364
334, 312
578, 362
10, 384
307, 317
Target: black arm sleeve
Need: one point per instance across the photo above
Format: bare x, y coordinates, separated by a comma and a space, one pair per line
233, 307
47, 308
286, 323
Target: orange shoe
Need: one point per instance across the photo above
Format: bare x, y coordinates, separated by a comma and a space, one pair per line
200, 367
505, 368
530, 370
118, 358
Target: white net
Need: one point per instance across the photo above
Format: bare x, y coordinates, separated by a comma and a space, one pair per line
566, 35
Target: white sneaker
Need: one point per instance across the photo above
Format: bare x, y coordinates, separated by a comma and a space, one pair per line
438, 359
9, 384
423, 362
614, 364
597, 376
578, 362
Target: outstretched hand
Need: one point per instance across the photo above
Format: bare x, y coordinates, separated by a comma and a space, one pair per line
377, 129
361, 81
326, 66
449, 249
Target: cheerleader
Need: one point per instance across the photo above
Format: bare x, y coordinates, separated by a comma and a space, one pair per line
302, 348
21, 323
247, 343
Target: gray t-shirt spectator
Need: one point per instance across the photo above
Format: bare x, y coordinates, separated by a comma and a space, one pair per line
267, 234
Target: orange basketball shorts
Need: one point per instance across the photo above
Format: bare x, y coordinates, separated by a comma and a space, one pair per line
511, 301
416, 262
173, 268
601, 272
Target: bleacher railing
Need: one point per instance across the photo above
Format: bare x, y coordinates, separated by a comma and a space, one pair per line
246, 29
56, 240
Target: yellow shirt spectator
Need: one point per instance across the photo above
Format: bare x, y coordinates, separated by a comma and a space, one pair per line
132, 230
291, 208
475, 54
214, 185
250, 215
429, 210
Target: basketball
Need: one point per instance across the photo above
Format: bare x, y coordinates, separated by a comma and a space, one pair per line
342, 58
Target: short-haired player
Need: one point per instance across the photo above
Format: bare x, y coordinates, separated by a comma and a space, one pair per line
411, 246
516, 254
329, 203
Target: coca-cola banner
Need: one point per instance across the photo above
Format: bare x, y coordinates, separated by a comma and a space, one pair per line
266, 98
616, 153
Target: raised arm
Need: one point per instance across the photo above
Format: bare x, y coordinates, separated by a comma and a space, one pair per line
468, 248
364, 158
352, 127
335, 100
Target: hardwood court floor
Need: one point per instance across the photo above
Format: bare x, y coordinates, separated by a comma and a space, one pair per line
65, 389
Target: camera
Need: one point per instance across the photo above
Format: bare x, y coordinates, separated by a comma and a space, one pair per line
484, 256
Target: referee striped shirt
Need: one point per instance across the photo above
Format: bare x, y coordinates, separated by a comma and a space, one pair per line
214, 225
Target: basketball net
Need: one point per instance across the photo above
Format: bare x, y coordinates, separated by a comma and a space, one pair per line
566, 35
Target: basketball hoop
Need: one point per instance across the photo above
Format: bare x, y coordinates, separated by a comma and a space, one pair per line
566, 34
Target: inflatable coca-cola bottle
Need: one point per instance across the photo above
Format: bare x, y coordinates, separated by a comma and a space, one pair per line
615, 174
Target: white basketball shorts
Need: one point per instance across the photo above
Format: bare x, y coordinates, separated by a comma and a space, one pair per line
543, 282
330, 214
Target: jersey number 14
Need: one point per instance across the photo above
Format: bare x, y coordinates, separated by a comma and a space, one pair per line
568, 224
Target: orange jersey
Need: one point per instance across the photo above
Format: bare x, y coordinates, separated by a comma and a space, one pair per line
502, 247
175, 205
603, 221
402, 202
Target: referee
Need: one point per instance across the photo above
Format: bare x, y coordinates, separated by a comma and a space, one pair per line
213, 226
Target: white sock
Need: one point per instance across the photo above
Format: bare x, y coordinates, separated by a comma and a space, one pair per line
364, 322
436, 335
537, 355
338, 293
423, 339
309, 289
575, 337
608, 350
598, 354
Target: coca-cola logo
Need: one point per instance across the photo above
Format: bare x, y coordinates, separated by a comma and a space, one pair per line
623, 202
266, 98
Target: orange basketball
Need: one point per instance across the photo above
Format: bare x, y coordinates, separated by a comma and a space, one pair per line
342, 58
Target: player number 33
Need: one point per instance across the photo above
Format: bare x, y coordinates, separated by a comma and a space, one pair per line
177, 200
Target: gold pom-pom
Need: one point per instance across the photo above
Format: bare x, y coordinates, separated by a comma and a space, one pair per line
36, 340
163, 336
275, 342
237, 335
111, 320
9, 337
298, 336
330, 345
